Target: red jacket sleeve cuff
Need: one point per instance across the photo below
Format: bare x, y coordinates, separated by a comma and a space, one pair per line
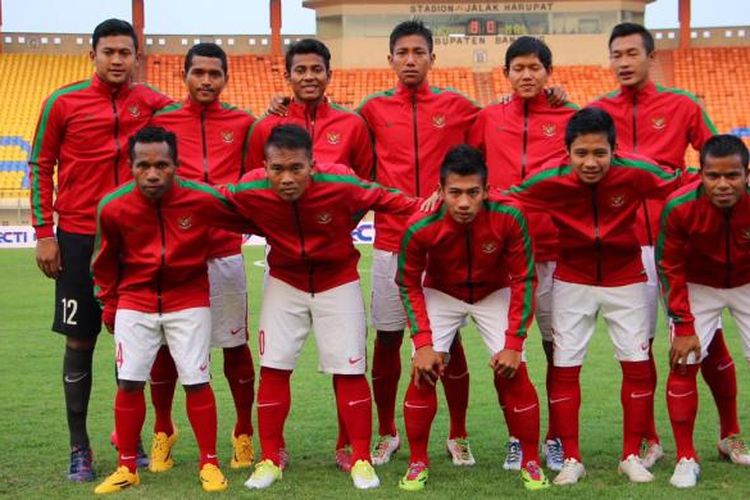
685, 329
108, 314
45, 231
422, 339
514, 342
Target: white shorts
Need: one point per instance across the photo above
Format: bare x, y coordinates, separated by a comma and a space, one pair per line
139, 335
707, 304
387, 310
447, 314
337, 317
652, 288
545, 274
575, 309
228, 284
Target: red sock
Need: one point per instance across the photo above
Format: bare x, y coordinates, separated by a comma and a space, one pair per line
521, 411
342, 440
551, 431
274, 400
163, 381
354, 404
456, 386
386, 371
650, 435
635, 394
130, 412
682, 403
420, 406
720, 375
565, 405
240, 373
201, 410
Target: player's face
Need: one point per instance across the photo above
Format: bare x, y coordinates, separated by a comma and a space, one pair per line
411, 60
288, 171
527, 76
591, 156
114, 59
153, 168
463, 196
629, 60
724, 179
308, 77
205, 79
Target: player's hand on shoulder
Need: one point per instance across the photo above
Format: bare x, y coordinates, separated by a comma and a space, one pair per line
48, 257
279, 105
427, 366
556, 96
506, 362
429, 204
681, 348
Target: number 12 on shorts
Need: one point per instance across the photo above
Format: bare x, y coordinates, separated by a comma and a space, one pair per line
69, 310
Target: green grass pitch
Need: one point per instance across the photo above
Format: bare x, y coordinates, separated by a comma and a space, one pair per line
34, 439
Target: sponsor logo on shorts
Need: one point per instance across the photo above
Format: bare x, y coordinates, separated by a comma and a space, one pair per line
489, 247
185, 222
227, 136
235, 331
549, 129
333, 138
203, 367
644, 346
659, 122
438, 121
324, 218
617, 201
354, 361
134, 111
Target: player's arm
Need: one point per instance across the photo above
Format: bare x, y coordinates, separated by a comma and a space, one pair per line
537, 193
105, 264
671, 266
244, 166
362, 155
657, 182
256, 139
475, 137
701, 127
373, 196
427, 365
219, 208
42, 161
156, 100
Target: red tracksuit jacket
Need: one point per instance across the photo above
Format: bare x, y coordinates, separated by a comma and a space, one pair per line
211, 142
339, 136
598, 243
151, 256
518, 138
84, 129
412, 131
659, 123
701, 243
310, 239
469, 262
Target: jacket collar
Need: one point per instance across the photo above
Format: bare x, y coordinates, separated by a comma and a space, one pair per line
648, 90
196, 107
536, 103
422, 90
166, 198
108, 90
299, 109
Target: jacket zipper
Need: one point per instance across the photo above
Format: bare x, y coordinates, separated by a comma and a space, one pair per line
162, 263
525, 138
728, 264
205, 147
117, 141
310, 124
303, 252
469, 282
416, 143
597, 236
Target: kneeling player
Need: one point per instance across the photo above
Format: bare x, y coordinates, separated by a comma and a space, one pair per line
703, 257
150, 272
476, 256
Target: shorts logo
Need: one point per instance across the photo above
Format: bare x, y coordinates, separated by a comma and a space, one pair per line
185, 222
333, 138
235, 331
549, 129
227, 136
438, 121
489, 247
203, 367
134, 111
659, 122
617, 201
354, 361
644, 346
746, 233
324, 218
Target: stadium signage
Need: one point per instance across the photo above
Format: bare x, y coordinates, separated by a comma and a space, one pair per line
481, 7
477, 40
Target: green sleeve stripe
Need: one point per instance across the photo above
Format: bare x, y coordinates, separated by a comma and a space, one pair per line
382, 93
170, 108
203, 188
249, 186
545, 174
256, 122
697, 101
351, 179
648, 167
439, 90
117, 193
338, 107
528, 293
572, 105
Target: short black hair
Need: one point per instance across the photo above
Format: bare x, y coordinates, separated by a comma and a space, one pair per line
723, 145
627, 29
463, 160
290, 137
113, 27
151, 135
412, 27
590, 120
529, 46
206, 49
307, 46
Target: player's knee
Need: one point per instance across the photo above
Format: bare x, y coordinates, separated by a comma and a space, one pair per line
390, 338
131, 385
80, 343
195, 387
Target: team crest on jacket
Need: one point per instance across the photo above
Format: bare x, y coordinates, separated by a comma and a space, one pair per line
617, 201
658, 122
489, 247
746, 233
438, 121
134, 111
185, 222
324, 218
549, 129
227, 136
333, 138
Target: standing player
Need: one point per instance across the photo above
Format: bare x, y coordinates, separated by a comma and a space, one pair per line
703, 256
81, 133
518, 137
660, 123
448, 272
150, 271
413, 127
211, 136
592, 198
307, 212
